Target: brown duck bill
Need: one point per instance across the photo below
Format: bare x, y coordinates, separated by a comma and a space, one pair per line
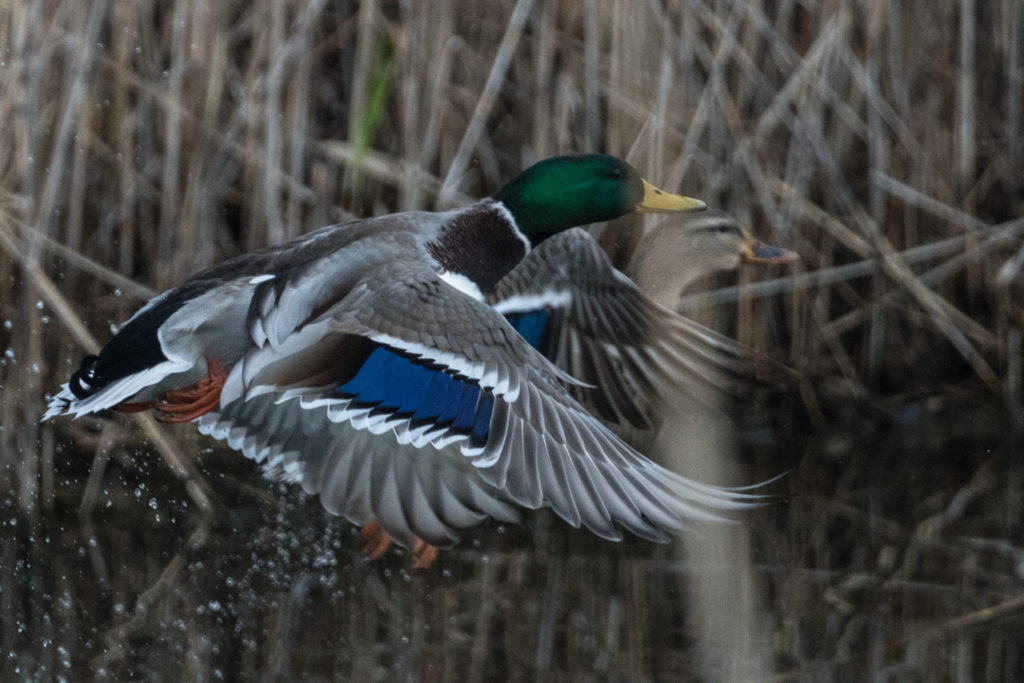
755, 251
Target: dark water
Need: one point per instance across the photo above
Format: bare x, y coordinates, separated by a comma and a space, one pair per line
898, 556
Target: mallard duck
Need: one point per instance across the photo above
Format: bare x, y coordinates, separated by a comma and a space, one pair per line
617, 332
671, 255
337, 359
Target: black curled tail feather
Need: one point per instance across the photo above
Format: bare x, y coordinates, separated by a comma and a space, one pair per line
84, 382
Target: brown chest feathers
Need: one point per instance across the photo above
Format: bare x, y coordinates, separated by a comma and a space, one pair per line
481, 243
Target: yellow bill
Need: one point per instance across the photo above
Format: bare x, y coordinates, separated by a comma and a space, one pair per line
658, 201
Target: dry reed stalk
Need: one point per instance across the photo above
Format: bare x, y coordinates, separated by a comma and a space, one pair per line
965, 95
146, 140
84, 263
179, 464
475, 129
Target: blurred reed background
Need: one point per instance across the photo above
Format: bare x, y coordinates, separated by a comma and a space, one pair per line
144, 140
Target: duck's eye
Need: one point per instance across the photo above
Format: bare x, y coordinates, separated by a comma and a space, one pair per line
721, 229
615, 173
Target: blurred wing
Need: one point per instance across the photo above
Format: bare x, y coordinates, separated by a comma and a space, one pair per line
567, 300
414, 404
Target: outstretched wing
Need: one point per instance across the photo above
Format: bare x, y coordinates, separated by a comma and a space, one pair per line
567, 300
414, 404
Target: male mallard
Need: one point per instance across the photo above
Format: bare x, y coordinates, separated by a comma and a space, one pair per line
337, 358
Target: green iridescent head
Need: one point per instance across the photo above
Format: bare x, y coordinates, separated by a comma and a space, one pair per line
562, 192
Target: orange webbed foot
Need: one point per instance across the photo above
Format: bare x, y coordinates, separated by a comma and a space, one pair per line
423, 555
185, 405
134, 407
376, 541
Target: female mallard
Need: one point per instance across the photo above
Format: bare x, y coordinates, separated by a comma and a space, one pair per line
604, 328
670, 256
337, 358
618, 334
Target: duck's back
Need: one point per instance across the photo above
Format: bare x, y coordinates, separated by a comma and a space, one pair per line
221, 312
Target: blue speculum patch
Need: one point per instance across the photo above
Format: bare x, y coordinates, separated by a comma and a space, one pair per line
530, 325
400, 384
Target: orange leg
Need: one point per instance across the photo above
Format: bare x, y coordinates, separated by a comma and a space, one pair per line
185, 405
134, 407
423, 555
377, 541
